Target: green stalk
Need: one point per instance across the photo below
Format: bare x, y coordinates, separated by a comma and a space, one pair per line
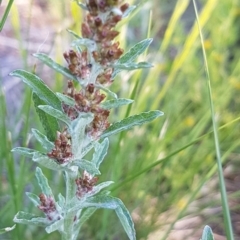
4, 18
70, 193
226, 212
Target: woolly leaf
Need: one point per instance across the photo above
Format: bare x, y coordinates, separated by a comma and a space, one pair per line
79, 139
207, 233
47, 162
24, 151
132, 54
39, 87
86, 215
130, 122
132, 66
86, 165
128, 11
34, 199
114, 103
30, 219
59, 68
43, 140
107, 91
43, 183
7, 229
108, 202
55, 113
49, 123
74, 34
100, 152
57, 225
66, 99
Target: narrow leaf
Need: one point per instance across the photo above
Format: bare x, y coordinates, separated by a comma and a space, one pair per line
43, 183
114, 103
107, 91
90, 44
49, 123
132, 66
30, 219
39, 87
66, 99
100, 152
207, 233
86, 165
58, 225
55, 113
24, 151
128, 11
77, 132
43, 140
83, 6
74, 34
7, 229
34, 199
86, 215
47, 162
59, 68
135, 51
130, 122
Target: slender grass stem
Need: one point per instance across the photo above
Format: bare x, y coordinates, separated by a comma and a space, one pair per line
226, 211
4, 18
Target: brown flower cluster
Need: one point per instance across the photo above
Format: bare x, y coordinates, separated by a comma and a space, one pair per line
85, 184
62, 150
88, 100
48, 207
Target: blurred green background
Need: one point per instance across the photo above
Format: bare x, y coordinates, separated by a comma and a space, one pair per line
165, 172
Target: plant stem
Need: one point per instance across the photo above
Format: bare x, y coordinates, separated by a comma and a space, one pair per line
70, 193
226, 212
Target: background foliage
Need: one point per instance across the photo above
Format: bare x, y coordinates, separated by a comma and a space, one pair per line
173, 187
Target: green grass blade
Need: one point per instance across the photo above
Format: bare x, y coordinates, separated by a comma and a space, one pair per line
4, 18
226, 211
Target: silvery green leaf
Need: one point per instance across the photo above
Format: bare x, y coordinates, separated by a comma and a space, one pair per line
7, 229
86, 150
24, 151
207, 233
55, 113
83, 6
100, 152
57, 225
66, 99
86, 215
77, 131
30, 219
61, 200
49, 62
128, 11
114, 103
86, 165
130, 122
99, 187
132, 65
107, 91
34, 198
90, 44
43, 140
132, 54
47, 162
43, 183
39, 87
74, 34
108, 202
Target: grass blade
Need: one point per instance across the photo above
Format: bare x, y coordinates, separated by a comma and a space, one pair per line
226, 211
